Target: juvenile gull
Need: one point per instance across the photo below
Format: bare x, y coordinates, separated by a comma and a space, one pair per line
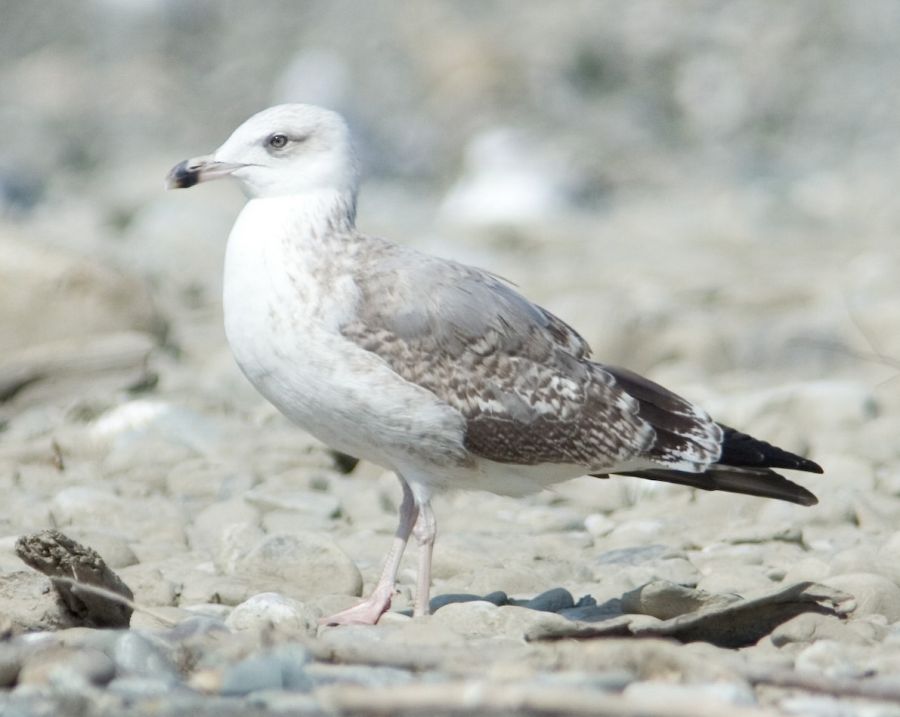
438, 371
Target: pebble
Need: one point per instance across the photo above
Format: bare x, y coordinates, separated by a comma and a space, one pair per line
207, 526
282, 668
300, 565
810, 627
114, 548
302, 503
551, 601
137, 656
86, 664
134, 688
273, 610
670, 695
874, 594
10, 664
148, 585
321, 674
483, 619
665, 600
439, 601
29, 602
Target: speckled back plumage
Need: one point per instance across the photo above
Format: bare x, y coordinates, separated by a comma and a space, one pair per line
520, 376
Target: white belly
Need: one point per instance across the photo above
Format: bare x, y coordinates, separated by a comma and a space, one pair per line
283, 328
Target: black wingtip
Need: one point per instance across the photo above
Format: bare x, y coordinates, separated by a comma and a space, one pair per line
743, 451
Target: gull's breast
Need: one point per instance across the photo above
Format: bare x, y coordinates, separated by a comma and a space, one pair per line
283, 306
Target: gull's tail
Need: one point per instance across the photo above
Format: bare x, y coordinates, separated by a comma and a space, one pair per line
745, 466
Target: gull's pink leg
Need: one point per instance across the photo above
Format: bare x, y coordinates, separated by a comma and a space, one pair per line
374, 606
424, 530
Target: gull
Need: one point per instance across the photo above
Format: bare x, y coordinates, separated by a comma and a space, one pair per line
440, 372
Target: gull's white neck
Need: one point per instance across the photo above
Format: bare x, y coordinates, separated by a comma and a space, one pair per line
309, 215
284, 254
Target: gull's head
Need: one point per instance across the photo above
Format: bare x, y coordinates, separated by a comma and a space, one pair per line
284, 150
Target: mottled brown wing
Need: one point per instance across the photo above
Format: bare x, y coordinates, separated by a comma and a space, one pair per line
519, 375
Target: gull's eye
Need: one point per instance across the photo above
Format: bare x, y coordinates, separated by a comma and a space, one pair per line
277, 141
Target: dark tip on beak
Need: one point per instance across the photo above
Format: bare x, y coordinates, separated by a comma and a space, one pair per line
198, 169
183, 175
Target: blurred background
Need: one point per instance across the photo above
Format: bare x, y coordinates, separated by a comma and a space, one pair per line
705, 189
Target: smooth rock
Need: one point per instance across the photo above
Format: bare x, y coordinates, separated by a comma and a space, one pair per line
601, 681
135, 688
205, 530
665, 600
113, 547
874, 594
599, 525
137, 656
67, 663
73, 296
810, 627
149, 585
283, 668
10, 663
274, 610
300, 565
889, 557
87, 507
831, 658
28, 602
483, 619
302, 502
736, 579
551, 601
203, 477
673, 695
215, 589
812, 569
320, 674
438, 601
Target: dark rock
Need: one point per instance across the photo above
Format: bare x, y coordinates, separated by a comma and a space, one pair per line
63, 560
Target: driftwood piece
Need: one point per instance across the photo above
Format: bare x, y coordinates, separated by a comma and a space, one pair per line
68, 563
737, 624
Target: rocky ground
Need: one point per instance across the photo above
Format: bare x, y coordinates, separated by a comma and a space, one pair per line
127, 428
706, 190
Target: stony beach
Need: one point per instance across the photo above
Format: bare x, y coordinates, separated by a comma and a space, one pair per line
130, 435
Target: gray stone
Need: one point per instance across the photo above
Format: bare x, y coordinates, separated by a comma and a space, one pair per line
134, 688
206, 528
551, 601
137, 656
300, 565
321, 674
267, 610
603, 681
833, 658
496, 598
194, 627
87, 507
874, 594
482, 619
659, 694
810, 627
303, 503
215, 589
10, 663
150, 586
283, 668
112, 547
44, 667
633, 555
28, 602
665, 600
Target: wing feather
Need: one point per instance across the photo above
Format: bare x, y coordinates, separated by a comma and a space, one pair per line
519, 375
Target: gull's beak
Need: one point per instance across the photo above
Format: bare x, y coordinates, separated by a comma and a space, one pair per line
198, 169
